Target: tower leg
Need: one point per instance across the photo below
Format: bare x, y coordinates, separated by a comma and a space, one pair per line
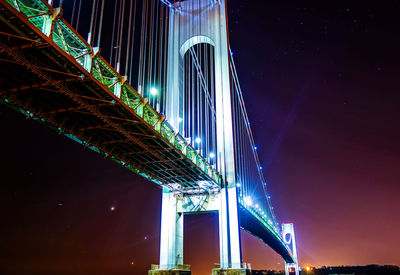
290, 240
229, 234
171, 240
291, 269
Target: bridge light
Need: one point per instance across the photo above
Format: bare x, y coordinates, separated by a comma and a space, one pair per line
256, 205
238, 185
269, 196
153, 91
180, 120
255, 148
261, 167
212, 155
247, 200
198, 140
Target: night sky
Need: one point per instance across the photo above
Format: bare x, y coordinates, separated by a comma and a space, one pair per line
321, 81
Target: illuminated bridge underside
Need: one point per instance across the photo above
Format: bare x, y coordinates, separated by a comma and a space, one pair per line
42, 81
49, 84
254, 226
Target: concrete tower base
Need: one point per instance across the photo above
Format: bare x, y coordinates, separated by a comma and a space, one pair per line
169, 272
178, 270
245, 270
230, 271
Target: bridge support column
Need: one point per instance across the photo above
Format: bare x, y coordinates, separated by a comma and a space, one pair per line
229, 234
171, 241
290, 240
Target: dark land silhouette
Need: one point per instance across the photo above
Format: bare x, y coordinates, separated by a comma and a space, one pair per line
331, 270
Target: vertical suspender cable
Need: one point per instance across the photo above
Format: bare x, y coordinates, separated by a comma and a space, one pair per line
142, 48
159, 56
129, 38
150, 51
90, 34
157, 61
113, 32
214, 132
79, 15
133, 42
117, 35
73, 13
95, 22
192, 101
186, 92
165, 50
145, 52
121, 32
193, 80
100, 23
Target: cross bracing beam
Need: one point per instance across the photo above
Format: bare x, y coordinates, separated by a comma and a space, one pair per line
77, 108
160, 149
128, 141
96, 127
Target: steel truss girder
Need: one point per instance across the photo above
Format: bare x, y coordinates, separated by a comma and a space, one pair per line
69, 45
60, 88
103, 150
63, 89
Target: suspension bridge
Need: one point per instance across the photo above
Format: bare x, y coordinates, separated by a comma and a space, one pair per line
154, 88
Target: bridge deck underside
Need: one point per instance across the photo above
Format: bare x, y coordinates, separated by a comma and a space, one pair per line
39, 79
252, 225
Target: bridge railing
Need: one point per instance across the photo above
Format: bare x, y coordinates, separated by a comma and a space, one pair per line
49, 21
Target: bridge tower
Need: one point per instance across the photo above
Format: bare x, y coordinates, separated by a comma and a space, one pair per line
193, 22
290, 240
